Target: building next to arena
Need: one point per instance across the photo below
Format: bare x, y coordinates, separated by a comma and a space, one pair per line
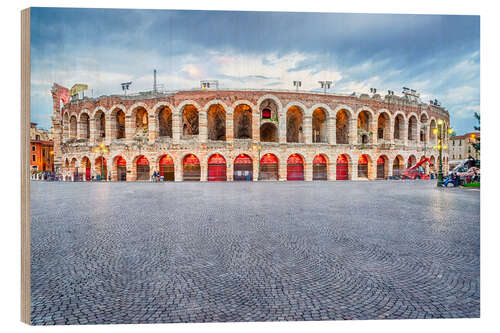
243, 135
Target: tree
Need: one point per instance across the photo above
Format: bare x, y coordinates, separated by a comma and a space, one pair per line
477, 144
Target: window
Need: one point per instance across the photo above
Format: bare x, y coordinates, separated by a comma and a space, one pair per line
33, 148
460, 142
33, 157
37, 137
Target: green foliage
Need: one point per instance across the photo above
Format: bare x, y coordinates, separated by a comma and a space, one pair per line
474, 184
477, 144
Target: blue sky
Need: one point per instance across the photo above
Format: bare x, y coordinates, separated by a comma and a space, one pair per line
436, 54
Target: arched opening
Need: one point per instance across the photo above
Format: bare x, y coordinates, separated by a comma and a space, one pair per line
101, 168
412, 160
87, 166
294, 125
364, 133
121, 169
383, 127
363, 166
269, 110
268, 132
142, 168
425, 128
432, 165
382, 167
398, 127
397, 167
295, 167
342, 169
72, 127
74, 168
343, 118
243, 168
412, 128
190, 121
65, 126
242, 122
165, 122
85, 126
100, 124
269, 167
320, 170
141, 119
217, 168
433, 131
319, 126
191, 168
167, 168
216, 118
120, 124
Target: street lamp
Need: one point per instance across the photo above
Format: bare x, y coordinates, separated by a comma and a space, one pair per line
101, 149
440, 146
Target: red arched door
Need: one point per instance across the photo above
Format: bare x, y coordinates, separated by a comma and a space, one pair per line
319, 168
217, 168
142, 168
167, 168
121, 168
381, 167
191, 168
269, 167
295, 167
243, 168
363, 167
342, 168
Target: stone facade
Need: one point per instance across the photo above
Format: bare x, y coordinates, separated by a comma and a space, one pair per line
390, 131
41, 149
461, 148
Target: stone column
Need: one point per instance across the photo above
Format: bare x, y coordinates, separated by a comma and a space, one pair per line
282, 128
372, 170
152, 128
255, 168
229, 126
132, 175
374, 130
307, 129
308, 170
178, 168
417, 139
204, 171
332, 170
176, 129
353, 170
108, 130
391, 130
389, 168
282, 174
203, 129
129, 128
353, 131
229, 170
405, 133
332, 130
255, 127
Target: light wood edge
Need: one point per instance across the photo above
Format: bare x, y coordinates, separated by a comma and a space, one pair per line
25, 162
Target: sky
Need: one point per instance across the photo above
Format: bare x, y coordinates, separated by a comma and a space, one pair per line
438, 55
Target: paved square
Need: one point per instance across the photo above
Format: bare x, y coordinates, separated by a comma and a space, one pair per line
196, 252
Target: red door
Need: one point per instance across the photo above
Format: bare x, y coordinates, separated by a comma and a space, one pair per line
380, 168
269, 167
342, 168
87, 174
217, 168
191, 168
243, 168
167, 168
295, 168
319, 168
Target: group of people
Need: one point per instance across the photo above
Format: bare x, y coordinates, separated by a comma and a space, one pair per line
157, 177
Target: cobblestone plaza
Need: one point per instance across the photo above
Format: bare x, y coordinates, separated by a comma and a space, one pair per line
252, 251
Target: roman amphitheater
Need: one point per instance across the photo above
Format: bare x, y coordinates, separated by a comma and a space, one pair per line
244, 135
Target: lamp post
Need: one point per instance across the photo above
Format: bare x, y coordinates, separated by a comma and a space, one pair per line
101, 149
440, 146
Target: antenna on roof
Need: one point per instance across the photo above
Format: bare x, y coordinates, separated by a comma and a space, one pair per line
154, 81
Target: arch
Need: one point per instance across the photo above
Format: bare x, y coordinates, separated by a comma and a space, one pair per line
433, 130
399, 124
140, 119
243, 101
217, 168
382, 167
84, 130
98, 109
268, 132
342, 121
120, 168
119, 122
166, 167
295, 167
271, 97
424, 117
320, 167
342, 167
142, 167
216, 122
269, 165
243, 168
191, 170
412, 127
412, 160
319, 125
190, 120
242, 121
101, 168
72, 127
326, 108
161, 105
398, 166
364, 165
364, 119
384, 125
85, 163
164, 115
295, 123
139, 105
